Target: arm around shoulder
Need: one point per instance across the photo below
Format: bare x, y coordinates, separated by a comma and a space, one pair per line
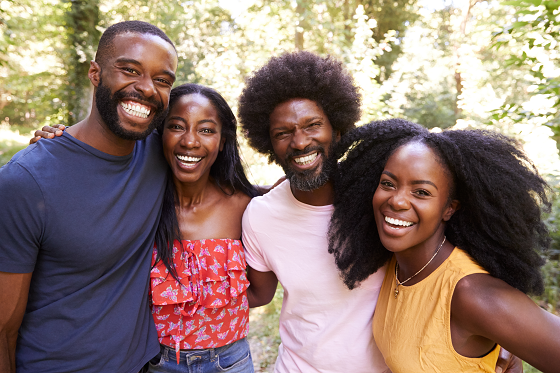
485, 306
14, 289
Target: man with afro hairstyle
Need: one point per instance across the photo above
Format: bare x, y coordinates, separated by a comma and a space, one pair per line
294, 109
74, 296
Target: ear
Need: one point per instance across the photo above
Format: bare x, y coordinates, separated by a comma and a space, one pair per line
453, 206
222, 142
94, 73
338, 136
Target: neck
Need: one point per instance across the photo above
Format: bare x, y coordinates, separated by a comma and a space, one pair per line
192, 194
412, 260
94, 132
321, 196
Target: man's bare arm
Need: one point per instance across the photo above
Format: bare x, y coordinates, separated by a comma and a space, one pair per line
14, 289
262, 288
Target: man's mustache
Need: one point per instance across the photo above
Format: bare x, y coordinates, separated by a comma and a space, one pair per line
308, 149
122, 95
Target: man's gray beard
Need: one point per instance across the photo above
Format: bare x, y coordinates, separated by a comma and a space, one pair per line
306, 181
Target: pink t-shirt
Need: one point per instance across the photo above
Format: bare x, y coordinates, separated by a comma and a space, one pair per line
324, 327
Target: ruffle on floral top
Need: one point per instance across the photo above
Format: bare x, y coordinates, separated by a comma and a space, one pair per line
209, 308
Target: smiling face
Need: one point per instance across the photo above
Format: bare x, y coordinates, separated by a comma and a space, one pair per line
302, 136
133, 84
192, 138
411, 203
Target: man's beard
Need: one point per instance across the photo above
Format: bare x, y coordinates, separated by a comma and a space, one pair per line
107, 107
312, 179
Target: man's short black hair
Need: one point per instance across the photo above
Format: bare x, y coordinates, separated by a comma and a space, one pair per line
297, 75
106, 42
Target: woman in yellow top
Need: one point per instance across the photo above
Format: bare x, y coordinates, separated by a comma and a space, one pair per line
457, 217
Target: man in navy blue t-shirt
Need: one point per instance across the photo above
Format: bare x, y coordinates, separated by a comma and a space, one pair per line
78, 216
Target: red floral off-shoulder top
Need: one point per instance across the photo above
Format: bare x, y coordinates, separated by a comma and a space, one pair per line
209, 308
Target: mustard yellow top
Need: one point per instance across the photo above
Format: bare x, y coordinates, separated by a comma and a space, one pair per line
413, 331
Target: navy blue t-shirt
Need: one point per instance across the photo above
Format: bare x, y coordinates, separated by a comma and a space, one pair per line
83, 222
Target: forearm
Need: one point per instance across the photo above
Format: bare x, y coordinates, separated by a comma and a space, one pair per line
14, 289
8, 351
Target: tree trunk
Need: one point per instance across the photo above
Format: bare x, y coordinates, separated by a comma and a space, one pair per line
300, 11
82, 19
462, 35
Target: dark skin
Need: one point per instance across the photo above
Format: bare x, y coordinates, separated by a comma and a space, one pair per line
193, 129
127, 69
13, 299
201, 215
414, 188
294, 125
141, 63
263, 284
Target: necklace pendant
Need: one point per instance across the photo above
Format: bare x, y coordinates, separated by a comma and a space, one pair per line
396, 291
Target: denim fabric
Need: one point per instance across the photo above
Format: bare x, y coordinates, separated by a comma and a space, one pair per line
232, 358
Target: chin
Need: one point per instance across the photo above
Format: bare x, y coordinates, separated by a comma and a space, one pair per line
131, 132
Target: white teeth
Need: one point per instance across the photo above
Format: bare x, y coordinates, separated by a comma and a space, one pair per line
136, 110
306, 160
398, 222
184, 158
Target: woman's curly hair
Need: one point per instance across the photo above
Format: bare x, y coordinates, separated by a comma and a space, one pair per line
501, 194
297, 75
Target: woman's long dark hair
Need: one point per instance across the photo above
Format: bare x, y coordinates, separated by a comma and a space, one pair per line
502, 196
227, 171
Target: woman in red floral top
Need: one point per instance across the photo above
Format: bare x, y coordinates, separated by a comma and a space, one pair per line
198, 282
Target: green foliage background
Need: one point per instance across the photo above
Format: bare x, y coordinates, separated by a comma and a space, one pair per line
443, 64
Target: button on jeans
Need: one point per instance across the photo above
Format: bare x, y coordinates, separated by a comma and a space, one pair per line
232, 358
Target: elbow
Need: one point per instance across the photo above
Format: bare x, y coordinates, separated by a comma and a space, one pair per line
258, 300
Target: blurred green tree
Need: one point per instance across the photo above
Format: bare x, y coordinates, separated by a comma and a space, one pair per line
534, 30
393, 16
4, 40
31, 72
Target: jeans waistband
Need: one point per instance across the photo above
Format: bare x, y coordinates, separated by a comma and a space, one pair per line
192, 355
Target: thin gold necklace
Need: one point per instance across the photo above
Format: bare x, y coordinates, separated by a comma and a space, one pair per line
421, 269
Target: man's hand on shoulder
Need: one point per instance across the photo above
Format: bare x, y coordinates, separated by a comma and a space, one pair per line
48, 132
263, 189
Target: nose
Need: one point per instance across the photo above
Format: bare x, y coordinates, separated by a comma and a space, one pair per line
190, 140
300, 140
399, 201
146, 86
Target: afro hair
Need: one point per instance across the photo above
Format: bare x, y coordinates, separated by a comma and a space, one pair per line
297, 75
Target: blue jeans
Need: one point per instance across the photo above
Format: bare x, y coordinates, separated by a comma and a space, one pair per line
232, 358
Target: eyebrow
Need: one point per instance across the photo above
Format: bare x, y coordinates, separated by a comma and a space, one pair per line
283, 127
136, 62
414, 182
317, 117
176, 117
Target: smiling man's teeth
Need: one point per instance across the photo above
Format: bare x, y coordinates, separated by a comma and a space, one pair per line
184, 158
306, 160
136, 110
398, 222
